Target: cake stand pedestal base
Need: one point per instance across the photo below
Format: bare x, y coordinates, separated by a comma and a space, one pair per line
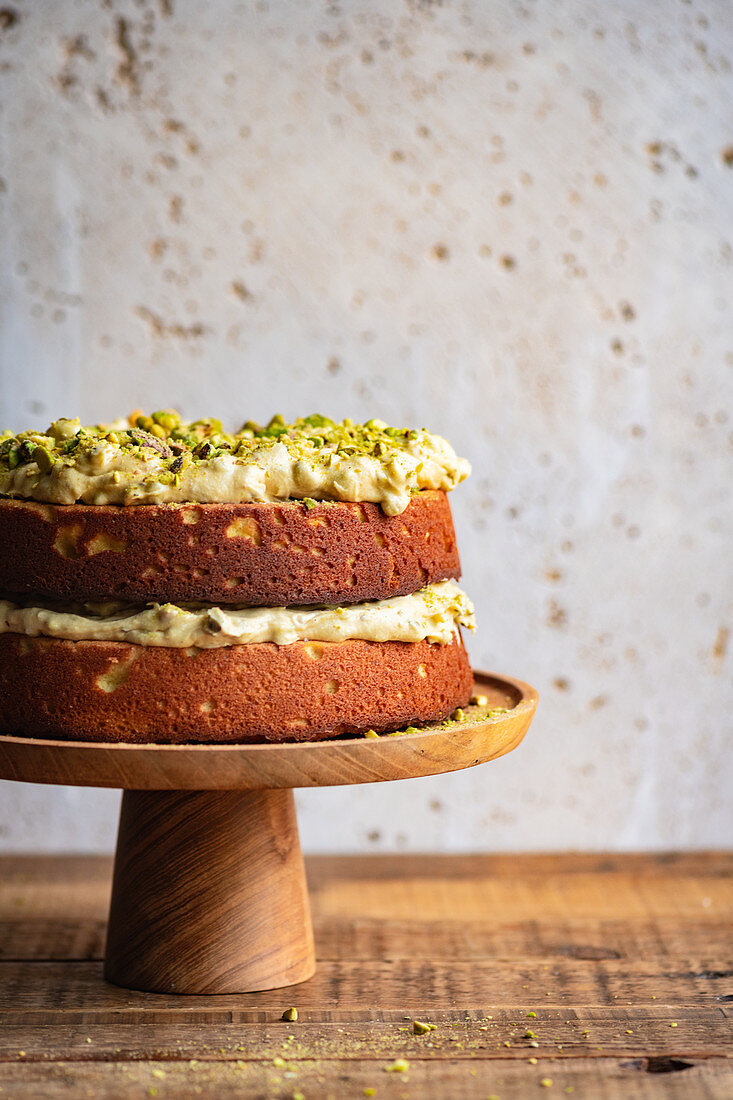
209, 893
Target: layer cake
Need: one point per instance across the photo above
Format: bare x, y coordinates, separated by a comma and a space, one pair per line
166, 581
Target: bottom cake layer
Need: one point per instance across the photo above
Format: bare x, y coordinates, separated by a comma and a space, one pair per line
306, 691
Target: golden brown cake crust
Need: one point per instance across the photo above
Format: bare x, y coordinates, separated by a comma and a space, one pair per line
308, 691
259, 554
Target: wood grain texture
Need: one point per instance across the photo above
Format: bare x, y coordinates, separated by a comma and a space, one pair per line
208, 894
625, 946
459, 1035
260, 766
589, 1079
409, 985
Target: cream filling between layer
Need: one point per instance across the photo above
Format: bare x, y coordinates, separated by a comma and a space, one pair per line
433, 614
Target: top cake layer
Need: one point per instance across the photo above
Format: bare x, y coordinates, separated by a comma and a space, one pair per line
162, 459
268, 555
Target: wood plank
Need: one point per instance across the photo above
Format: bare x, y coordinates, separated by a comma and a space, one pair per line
549, 940
670, 1031
47, 938
472, 887
706, 864
67, 938
585, 1079
33, 992
80, 869
556, 894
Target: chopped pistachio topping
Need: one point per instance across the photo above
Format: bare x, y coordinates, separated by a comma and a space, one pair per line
474, 713
163, 459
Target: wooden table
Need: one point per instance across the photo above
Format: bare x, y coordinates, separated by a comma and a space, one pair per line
592, 976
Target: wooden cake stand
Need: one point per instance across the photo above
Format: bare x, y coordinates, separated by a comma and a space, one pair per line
209, 892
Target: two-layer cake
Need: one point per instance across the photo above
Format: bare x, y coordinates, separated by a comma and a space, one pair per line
163, 580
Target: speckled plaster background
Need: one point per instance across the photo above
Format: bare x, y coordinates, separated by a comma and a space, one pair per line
510, 222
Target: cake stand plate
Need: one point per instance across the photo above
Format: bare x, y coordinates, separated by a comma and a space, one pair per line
209, 892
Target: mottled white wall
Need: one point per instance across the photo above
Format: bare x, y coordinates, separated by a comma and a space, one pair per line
510, 222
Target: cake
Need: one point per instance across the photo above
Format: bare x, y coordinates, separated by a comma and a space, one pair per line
166, 581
